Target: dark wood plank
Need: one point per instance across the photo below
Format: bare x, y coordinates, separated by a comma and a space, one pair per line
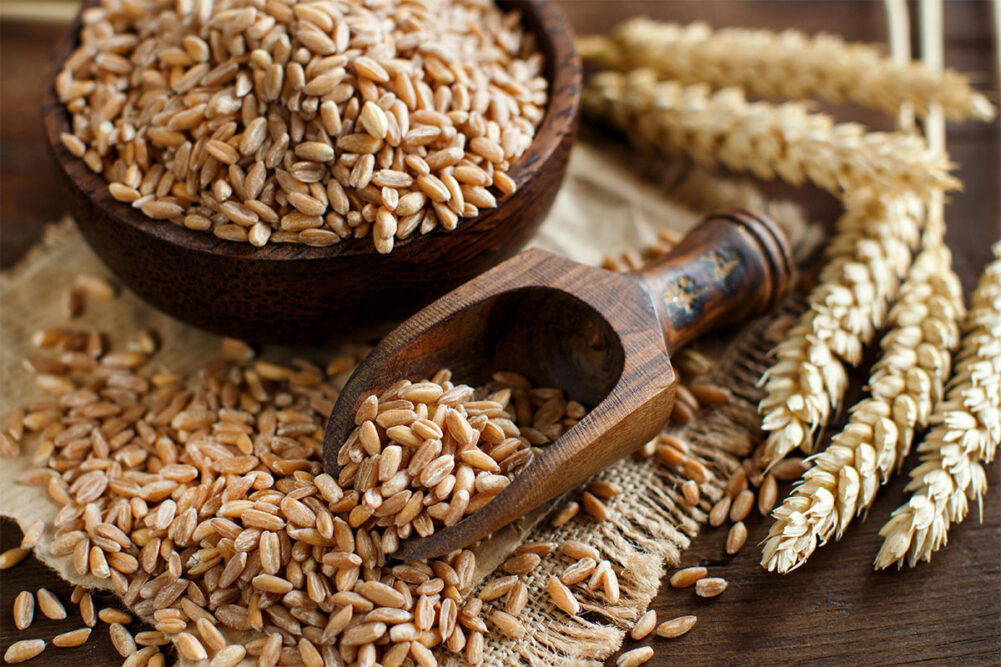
835, 610
29, 194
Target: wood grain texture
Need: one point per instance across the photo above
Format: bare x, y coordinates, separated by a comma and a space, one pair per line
602, 337
292, 293
835, 610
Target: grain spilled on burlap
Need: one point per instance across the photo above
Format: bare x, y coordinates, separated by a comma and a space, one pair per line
603, 208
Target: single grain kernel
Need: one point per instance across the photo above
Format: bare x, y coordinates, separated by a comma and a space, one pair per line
603, 489
26, 649
31, 535
695, 470
736, 537
687, 576
507, 625
676, 627
644, 625
789, 470
742, 505
719, 512
595, 507
50, 605
12, 557
72, 638
636, 656
562, 597
565, 514
111, 615
767, 495
710, 587
24, 610
710, 394
690, 490
522, 563
122, 639
736, 483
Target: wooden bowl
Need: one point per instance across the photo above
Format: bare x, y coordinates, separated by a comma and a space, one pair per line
292, 293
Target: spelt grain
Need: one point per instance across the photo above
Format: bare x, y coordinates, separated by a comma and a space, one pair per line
676, 627
636, 656
735, 538
579, 571
522, 563
610, 584
12, 557
507, 625
24, 610
742, 505
604, 489
789, 469
286, 103
737, 483
595, 507
690, 490
111, 615
50, 605
767, 495
72, 638
710, 587
188, 647
516, 599
565, 514
87, 610
710, 394
26, 649
687, 577
122, 639
695, 470
644, 625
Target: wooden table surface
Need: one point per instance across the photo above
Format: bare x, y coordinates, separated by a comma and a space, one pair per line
835, 610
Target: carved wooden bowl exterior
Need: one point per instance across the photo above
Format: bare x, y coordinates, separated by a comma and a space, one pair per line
294, 293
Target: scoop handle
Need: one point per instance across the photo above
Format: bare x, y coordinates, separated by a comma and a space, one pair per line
732, 266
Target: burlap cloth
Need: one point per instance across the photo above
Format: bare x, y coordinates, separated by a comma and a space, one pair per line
605, 207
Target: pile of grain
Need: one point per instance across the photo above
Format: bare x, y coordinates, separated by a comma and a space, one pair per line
426, 454
306, 122
202, 502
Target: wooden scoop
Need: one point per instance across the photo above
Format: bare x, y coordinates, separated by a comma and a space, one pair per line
604, 338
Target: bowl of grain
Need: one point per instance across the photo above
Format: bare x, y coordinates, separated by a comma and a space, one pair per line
299, 171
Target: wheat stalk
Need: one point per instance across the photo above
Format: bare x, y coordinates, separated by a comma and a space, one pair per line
904, 385
785, 141
789, 64
965, 434
868, 256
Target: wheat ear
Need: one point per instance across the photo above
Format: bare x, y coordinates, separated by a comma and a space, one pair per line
904, 385
965, 434
868, 256
789, 64
785, 141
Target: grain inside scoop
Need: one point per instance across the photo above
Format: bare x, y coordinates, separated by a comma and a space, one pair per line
604, 338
